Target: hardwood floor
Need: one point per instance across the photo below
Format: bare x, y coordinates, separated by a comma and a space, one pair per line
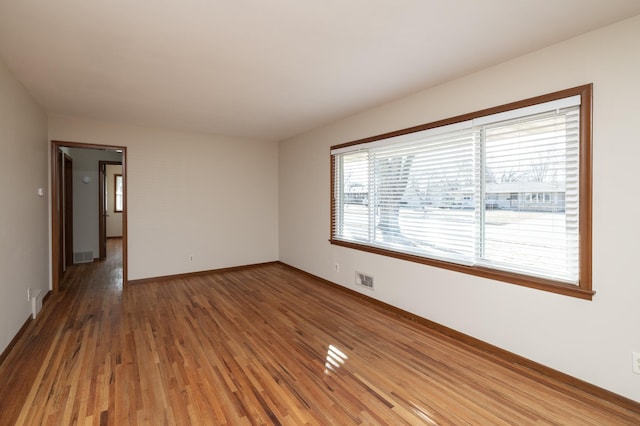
263, 345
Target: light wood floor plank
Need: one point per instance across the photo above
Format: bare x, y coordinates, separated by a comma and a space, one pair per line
262, 345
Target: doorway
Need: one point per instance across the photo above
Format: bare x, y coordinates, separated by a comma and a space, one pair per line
61, 254
65, 207
107, 202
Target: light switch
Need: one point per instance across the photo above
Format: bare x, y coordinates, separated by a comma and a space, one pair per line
41, 192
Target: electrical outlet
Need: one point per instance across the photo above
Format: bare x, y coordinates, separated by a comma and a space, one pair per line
28, 295
636, 362
337, 267
190, 258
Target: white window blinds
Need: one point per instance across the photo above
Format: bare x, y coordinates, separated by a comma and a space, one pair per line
501, 191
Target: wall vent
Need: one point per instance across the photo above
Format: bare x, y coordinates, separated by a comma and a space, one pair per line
36, 303
83, 257
364, 280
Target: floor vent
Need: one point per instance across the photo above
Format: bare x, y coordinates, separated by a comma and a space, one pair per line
83, 257
364, 280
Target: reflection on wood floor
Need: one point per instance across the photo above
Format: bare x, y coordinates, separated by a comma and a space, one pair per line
262, 345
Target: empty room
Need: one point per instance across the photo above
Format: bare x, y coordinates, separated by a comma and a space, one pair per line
319, 213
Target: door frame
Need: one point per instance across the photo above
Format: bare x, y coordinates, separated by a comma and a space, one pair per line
64, 186
66, 174
102, 205
56, 220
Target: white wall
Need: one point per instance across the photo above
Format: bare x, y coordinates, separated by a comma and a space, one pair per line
86, 217
114, 219
23, 214
212, 197
591, 340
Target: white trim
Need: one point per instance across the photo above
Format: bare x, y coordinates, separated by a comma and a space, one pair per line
529, 110
408, 138
415, 137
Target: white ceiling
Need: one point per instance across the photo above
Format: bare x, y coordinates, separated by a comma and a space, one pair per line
267, 69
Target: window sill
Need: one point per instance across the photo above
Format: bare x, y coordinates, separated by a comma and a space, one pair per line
512, 278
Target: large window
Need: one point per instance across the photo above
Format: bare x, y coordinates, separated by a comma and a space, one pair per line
503, 193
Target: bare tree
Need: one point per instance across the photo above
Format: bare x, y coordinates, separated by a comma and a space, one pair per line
511, 175
392, 181
541, 170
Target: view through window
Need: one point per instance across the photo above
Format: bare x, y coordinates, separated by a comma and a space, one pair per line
503, 193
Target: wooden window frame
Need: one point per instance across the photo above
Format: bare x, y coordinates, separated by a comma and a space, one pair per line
583, 289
